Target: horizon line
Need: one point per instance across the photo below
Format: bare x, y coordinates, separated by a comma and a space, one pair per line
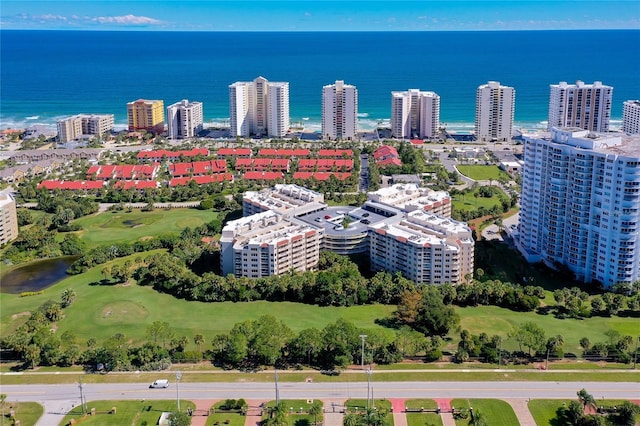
133, 29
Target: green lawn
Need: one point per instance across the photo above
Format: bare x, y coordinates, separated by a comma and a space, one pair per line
481, 172
495, 411
544, 410
101, 311
122, 226
27, 412
471, 202
225, 419
493, 320
127, 412
298, 411
351, 404
423, 419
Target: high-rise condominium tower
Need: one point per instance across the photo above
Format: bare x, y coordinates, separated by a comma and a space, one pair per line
184, 119
631, 117
259, 108
585, 106
339, 111
580, 204
415, 114
146, 115
495, 108
8, 218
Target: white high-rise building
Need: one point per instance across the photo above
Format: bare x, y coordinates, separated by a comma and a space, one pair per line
585, 106
259, 108
268, 243
339, 111
76, 126
495, 108
415, 114
184, 119
426, 248
631, 117
580, 204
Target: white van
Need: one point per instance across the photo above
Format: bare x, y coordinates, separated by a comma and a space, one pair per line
159, 384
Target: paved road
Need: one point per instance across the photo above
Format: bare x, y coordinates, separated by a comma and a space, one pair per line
342, 390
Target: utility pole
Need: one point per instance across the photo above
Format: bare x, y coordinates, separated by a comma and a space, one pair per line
277, 391
362, 336
82, 404
635, 354
500, 352
178, 377
368, 388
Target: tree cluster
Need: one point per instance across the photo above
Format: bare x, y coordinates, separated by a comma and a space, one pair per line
269, 342
575, 414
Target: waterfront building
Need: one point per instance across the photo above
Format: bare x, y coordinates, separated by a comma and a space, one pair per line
259, 108
426, 248
8, 218
631, 117
585, 106
77, 126
268, 243
495, 108
580, 204
147, 115
287, 199
415, 114
184, 119
339, 111
408, 197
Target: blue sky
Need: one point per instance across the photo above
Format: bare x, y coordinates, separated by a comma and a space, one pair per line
314, 15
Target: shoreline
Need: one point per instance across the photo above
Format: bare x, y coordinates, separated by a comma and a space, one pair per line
307, 124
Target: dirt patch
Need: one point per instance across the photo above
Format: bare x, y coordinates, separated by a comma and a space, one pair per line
20, 314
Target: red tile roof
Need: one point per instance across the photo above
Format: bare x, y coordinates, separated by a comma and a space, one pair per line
127, 171
322, 176
201, 180
136, 184
276, 164
325, 164
198, 168
336, 153
417, 142
70, 185
284, 153
263, 175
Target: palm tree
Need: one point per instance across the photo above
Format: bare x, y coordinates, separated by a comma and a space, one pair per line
68, 296
586, 399
314, 410
352, 420
198, 339
478, 419
574, 413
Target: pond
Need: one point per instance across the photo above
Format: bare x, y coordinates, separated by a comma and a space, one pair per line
36, 276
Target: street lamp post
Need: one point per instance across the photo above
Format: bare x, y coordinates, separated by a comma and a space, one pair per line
635, 354
178, 377
369, 388
362, 336
277, 390
82, 404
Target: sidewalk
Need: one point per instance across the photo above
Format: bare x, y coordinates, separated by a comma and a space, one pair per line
521, 408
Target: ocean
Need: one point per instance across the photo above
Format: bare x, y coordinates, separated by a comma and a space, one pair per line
46, 75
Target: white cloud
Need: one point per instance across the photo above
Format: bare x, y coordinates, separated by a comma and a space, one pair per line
126, 20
